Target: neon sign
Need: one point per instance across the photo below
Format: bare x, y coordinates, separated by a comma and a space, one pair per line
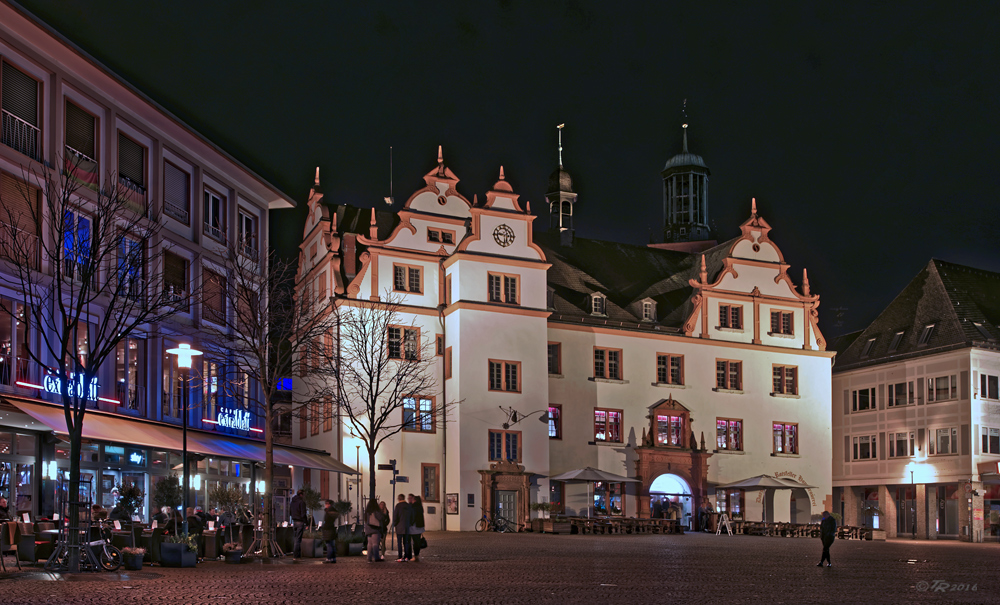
135, 458
75, 387
233, 419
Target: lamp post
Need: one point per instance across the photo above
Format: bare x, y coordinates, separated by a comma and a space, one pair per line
357, 467
913, 508
184, 354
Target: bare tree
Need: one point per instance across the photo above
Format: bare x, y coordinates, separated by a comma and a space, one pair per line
267, 336
380, 372
85, 258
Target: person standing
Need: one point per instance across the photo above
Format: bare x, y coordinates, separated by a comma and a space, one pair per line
401, 521
703, 516
375, 520
299, 513
330, 515
417, 527
384, 509
827, 533
4, 512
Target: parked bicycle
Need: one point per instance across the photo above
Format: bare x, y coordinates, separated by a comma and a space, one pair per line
497, 524
96, 551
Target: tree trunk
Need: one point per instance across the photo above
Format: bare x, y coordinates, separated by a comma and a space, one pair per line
73, 497
268, 476
371, 475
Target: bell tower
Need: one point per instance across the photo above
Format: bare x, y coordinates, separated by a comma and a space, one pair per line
561, 197
685, 201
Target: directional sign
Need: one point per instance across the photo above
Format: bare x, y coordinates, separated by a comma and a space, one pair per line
402, 479
385, 467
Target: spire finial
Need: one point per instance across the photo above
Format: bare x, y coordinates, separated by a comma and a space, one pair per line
684, 124
373, 227
316, 181
440, 156
753, 206
501, 173
560, 129
805, 281
703, 273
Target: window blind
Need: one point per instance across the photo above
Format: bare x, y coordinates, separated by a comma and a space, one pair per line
131, 160
20, 94
80, 130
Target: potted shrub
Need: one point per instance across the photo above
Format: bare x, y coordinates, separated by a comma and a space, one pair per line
312, 499
542, 508
180, 550
343, 508
132, 557
312, 543
233, 551
356, 546
229, 498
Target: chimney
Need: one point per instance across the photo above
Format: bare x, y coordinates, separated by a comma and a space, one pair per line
566, 238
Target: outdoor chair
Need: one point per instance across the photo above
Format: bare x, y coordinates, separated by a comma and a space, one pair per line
10, 537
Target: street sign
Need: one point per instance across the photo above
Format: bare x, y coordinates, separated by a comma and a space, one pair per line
385, 467
402, 479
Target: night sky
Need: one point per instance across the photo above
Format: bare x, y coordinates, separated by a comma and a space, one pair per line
867, 131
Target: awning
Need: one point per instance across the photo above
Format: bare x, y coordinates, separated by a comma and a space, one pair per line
121, 429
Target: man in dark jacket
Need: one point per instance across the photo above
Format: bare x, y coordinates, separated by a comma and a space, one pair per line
401, 521
300, 515
4, 512
330, 516
827, 533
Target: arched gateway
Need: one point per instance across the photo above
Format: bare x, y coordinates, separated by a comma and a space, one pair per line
670, 458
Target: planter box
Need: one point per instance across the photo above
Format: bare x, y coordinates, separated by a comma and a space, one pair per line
878, 534
553, 526
354, 549
536, 525
133, 562
320, 546
234, 557
177, 555
342, 548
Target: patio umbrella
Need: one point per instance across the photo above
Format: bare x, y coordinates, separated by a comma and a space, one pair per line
588, 475
763, 482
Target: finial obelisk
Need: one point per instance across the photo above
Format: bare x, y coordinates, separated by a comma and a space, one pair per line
560, 129
684, 124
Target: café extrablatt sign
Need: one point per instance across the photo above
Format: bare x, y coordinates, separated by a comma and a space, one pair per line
233, 419
75, 387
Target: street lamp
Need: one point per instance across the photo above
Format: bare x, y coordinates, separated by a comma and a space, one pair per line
913, 509
357, 467
185, 354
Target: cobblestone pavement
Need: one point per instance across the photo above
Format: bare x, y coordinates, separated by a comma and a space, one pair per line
532, 568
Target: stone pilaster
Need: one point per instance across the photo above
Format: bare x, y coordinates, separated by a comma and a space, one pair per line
887, 502
923, 519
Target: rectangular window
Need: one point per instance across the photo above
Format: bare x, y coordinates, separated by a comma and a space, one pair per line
607, 425
607, 363
406, 278
786, 438
447, 363
669, 369
131, 267
76, 247
729, 434
327, 415
433, 235
648, 311
429, 490
731, 316
176, 193
20, 93
557, 496
131, 165
418, 414
785, 380
130, 374
728, 375
214, 375
214, 215
505, 445
247, 232
15, 339
81, 147
989, 387
942, 388
863, 399
867, 350
175, 269
781, 322
303, 422
555, 358
991, 440
213, 297
945, 442
505, 376
925, 335
670, 430
598, 306
439, 236
447, 290
555, 421
404, 342
901, 445
865, 448
503, 288
899, 394
314, 418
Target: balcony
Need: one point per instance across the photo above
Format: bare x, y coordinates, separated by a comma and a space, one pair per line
82, 168
128, 399
176, 212
12, 373
176, 296
214, 232
21, 136
133, 194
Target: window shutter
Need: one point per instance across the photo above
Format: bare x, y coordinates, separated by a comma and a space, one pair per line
847, 402
80, 130
881, 446
131, 160
176, 188
847, 448
964, 385
964, 433
22, 202
20, 94
881, 396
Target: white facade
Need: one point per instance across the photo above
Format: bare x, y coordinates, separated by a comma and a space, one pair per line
522, 327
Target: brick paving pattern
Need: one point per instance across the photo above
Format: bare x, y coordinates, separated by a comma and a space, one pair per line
532, 568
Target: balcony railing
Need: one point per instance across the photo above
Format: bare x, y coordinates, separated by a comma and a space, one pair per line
134, 194
213, 231
176, 296
175, 211
14, 370
21, 136
132, 401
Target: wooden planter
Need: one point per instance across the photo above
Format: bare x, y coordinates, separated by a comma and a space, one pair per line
177, 555
553, 526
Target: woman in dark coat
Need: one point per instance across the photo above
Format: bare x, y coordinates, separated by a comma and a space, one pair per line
374, 520
417, 526
330, 516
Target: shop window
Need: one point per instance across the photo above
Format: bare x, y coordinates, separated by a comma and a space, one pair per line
608, 498
557, 497
173, 386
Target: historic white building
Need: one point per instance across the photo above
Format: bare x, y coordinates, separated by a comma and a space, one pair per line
916, 427
685, 365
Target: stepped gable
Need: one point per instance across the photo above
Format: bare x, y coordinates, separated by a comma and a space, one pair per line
952, 297
626, 274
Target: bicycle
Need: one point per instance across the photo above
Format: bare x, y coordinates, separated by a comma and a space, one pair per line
498, 524
95, 554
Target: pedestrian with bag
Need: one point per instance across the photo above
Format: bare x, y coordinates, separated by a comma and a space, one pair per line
374, 522
299, 513
330, 516
827, 533
401, 521
417, 528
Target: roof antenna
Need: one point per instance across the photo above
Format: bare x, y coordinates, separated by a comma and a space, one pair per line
684, 125
389, 199
560, 129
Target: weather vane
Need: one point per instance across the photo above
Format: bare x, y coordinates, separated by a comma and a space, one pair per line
684, 113
560, 129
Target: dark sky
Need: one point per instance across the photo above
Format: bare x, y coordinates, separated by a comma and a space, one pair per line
867, 131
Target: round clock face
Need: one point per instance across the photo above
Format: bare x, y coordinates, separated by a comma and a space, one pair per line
503, 235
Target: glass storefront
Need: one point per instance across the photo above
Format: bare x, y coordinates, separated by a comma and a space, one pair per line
17, 470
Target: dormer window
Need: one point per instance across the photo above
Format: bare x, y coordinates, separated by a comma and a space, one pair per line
598, 304
868, 347
439, 236
648, 311
925, 336
550, 298
983, 331
896, 339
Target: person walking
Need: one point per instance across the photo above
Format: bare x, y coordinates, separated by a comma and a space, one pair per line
401, 521
417, 527
375, 520
827, 533
330, 516
384, 509
299, 513
703, 516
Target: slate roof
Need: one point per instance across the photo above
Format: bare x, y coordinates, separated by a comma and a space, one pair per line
952, 297
626, 274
